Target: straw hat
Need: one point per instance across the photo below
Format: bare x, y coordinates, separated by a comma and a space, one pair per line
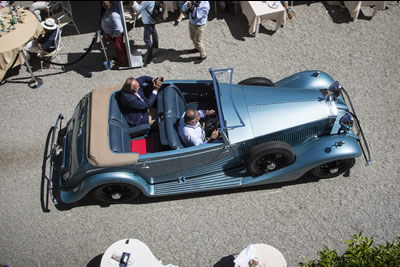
49, 24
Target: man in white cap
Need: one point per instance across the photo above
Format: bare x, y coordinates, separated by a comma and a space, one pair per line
46, 42
37, 6
114, 32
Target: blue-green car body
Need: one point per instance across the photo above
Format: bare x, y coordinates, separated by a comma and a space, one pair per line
305, 113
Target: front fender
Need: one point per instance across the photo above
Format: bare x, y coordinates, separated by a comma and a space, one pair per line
309, 155
312, 79
328, 148
70, 195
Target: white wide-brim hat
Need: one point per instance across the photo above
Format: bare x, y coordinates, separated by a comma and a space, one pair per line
49, 24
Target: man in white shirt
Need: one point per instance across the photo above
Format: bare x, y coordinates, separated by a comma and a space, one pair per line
114, 32
190, 130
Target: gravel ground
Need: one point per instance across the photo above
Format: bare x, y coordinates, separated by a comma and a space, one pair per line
198, 230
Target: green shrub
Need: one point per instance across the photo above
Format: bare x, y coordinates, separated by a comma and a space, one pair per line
360, 253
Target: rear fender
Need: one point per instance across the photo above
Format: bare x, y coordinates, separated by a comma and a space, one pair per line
72, 195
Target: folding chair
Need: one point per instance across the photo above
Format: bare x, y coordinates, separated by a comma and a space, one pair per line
59, 45
64, 17
53, 6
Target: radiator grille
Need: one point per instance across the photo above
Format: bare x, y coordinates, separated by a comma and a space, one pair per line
291, 136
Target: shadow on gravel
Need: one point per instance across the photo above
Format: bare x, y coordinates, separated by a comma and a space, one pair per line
237, 25
14, 71
226, 261
173, 55
88, 201
85, 23
26, 80
340, 14
95, 262
234, 18
92, 62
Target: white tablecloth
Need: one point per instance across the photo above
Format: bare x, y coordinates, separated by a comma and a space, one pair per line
169, 6
140, 254
14, 41
257, 11
354, 7
267, 256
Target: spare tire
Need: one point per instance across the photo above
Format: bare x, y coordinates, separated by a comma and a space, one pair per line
258, 81
268, 157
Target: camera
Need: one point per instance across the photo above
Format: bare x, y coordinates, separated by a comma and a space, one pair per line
193, 5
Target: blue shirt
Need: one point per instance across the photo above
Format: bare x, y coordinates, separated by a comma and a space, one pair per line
145, 8
199, 15
111, 23
48, 42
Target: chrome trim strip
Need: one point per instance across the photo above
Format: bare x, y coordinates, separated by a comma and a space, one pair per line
363, 141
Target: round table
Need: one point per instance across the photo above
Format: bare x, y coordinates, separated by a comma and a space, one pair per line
137, 254
267, 256
14, 41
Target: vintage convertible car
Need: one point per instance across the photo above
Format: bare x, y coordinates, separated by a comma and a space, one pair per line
269, 133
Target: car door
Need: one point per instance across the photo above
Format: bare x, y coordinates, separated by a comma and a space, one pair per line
159, 167
181, 164
206, 159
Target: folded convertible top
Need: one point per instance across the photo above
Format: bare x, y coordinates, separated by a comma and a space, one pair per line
98, 149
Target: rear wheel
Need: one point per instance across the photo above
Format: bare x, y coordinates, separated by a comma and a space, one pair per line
333, 168
258, 81
116, 193
268, 157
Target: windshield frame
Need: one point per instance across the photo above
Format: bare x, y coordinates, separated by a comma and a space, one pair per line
218, 93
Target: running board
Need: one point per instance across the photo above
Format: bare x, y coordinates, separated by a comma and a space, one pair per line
218, 180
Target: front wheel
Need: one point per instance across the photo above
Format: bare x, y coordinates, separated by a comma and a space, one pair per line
268, 157
116, 193
333, 168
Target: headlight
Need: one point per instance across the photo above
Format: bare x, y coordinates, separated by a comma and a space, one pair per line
335, 89
347, 121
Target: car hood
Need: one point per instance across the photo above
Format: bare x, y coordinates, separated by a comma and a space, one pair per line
265, 110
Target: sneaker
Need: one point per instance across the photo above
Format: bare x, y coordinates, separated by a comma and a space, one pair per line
115, 67
199, 60
290, 13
